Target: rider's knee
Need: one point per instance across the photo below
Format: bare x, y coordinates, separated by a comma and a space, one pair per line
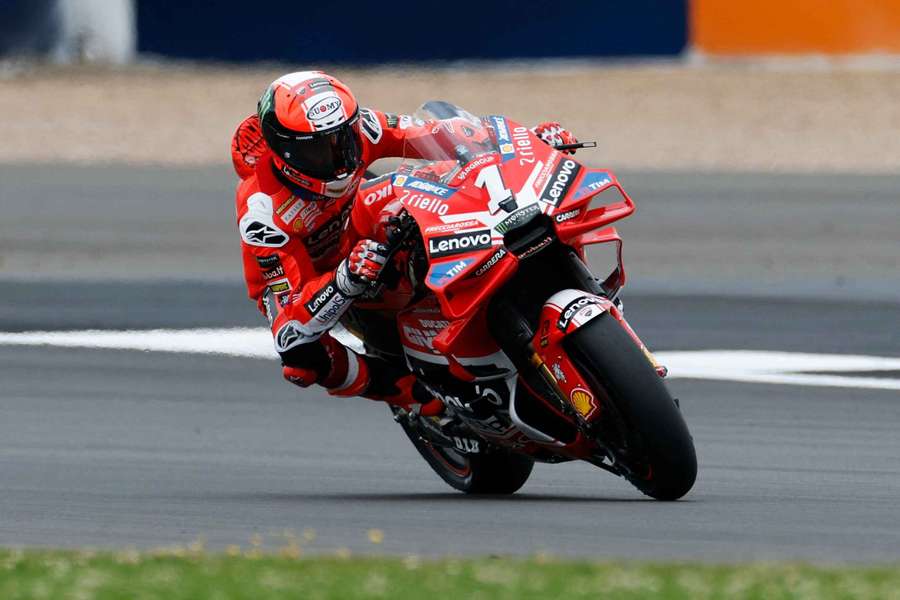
323, 361
299, 376
303, 363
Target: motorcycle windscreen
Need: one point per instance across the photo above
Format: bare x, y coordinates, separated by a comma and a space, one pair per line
447, 139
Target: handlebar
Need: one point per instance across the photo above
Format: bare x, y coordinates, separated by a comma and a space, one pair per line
576, 146
399, 230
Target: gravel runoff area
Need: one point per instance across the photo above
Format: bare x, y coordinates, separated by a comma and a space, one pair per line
643, 116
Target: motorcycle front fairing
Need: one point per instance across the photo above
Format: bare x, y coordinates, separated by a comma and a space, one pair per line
493, 226
487, 179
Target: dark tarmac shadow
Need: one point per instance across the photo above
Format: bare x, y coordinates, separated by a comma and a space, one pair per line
433, 498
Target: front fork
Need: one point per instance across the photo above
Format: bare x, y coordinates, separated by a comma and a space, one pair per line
541, 350
564, 313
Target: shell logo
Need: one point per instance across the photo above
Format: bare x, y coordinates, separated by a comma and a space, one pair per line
583, 401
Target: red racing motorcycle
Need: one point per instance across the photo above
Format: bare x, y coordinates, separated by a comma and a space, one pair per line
489, 301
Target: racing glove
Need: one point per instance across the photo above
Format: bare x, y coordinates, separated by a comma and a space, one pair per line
554, 134
361, 268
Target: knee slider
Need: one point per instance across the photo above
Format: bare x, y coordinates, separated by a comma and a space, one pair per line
299, 376
305, 364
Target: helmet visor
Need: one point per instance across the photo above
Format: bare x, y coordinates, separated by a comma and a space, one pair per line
325, 155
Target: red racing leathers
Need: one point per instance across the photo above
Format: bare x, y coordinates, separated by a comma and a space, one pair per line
292, 244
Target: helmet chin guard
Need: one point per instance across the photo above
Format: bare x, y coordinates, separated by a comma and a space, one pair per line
341, 187
334, 188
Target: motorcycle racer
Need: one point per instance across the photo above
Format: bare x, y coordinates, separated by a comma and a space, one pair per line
301, 160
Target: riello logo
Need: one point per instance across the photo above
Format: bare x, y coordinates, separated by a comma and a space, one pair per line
461, 242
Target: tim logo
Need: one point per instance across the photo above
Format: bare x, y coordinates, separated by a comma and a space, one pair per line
444, 272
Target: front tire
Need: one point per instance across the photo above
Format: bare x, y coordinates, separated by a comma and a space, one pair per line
656, 446
494, 471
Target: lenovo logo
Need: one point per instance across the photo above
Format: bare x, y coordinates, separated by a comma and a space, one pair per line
561, 181
324, 295
461, 242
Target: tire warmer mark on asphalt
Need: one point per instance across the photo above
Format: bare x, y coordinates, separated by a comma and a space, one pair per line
750, 366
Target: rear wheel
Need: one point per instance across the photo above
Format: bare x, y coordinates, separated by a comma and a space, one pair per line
493, 471
640, 423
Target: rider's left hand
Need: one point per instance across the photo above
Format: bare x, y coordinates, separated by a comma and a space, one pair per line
554, 134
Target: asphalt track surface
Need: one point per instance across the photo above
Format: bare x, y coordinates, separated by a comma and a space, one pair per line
800, 235
116, 448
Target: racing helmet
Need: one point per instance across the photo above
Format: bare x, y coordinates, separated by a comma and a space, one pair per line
310, 120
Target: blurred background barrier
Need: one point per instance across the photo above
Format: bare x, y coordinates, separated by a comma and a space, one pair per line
727, 27
29, 27
368, 33
362, 32
69, 30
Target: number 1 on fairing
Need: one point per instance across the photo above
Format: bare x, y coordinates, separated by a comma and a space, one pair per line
489, 178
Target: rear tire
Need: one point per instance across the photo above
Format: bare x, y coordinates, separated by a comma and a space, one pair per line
659, 443
494, 471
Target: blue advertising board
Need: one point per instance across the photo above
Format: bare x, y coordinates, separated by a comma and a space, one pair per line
29, 26
361, 32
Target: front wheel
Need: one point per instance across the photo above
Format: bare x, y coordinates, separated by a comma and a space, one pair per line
640, 423
493, 471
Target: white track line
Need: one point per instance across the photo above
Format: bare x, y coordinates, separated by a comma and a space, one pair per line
786, 368
247, 342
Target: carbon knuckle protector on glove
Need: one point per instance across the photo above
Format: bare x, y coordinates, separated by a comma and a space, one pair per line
362, 267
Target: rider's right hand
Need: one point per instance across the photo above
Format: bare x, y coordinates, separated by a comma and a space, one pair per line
361, 268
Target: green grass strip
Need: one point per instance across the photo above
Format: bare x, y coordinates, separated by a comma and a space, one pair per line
193, 574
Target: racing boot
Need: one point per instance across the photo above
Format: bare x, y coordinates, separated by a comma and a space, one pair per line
404, 392
343, 372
